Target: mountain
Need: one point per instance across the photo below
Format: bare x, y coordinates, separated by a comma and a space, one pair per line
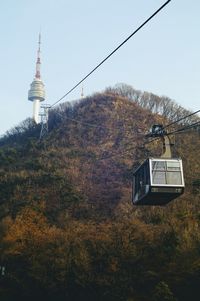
68, 228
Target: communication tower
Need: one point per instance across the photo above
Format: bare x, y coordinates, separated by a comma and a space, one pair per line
36, 94
82, 93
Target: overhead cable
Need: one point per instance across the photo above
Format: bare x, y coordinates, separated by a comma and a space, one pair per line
117, 48
182, 118
190, 126
178, 131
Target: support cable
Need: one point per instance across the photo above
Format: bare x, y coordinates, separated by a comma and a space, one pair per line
182, 118
117, 48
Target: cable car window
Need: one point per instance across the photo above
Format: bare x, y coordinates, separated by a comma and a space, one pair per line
174, 178
159, 177
141, 180
159, 165
173, 165
158, 172
166, 173
174, 173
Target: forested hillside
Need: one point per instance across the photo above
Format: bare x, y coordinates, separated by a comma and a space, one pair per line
68, 230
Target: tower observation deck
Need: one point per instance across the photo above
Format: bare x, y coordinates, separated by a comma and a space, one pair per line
37, 92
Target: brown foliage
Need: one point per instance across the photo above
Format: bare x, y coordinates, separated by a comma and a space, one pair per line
68, 229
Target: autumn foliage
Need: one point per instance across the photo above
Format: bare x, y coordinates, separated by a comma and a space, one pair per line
68, 230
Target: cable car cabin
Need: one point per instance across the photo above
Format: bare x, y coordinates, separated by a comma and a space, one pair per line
158, 181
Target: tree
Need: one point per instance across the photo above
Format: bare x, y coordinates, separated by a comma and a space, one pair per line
162, 292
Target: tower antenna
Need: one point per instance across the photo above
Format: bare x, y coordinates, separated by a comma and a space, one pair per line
38, 63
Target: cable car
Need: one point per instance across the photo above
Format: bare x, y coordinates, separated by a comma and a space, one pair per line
157, 181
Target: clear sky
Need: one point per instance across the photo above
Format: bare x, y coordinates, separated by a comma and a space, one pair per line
162, 58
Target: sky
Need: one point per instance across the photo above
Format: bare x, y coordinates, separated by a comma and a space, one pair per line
162, 58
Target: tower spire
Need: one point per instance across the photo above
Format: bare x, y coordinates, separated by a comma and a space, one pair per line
38, 63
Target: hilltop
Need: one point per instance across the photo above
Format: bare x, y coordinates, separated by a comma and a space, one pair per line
67, 222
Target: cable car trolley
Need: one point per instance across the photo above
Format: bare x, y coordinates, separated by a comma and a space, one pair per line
157, 181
